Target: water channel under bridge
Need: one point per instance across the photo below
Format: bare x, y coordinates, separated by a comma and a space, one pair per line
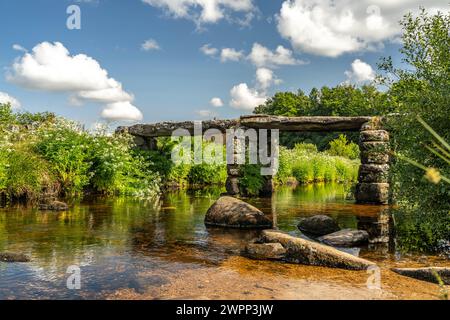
373, 179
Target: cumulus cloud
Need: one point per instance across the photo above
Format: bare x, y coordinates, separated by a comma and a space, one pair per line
203, 11
245, 98
150, 45
216, 102
332, 28
261, 56
121, 111
230, 54
265, 78
50, 67
208, 50
6, 98
18, 47
361, 73
205, 113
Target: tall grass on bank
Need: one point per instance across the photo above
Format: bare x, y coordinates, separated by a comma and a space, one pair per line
42, 154
304, 164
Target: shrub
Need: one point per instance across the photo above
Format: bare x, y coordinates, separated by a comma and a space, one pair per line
343, 148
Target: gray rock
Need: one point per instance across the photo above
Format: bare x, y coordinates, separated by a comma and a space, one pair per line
376, 193
374, 173
307, 252
13, 257
232, 186
234, 213
265, 251
374, 158
54, 206
346, 238
374, 135
318, 225
426, 274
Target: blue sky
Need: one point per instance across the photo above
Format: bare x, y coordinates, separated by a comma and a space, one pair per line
323, 45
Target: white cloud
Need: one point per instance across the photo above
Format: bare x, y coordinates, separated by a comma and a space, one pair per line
265, 78
6, 98
18, 47
216, 102
361, 73
229, 54
50, 67
245, 98
261, 56
203, 11
205, 113
121, 111
208, 50
150, 45
332, 28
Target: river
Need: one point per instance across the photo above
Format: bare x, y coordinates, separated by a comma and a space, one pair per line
160, 249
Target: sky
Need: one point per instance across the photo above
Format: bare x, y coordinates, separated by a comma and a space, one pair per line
141, 61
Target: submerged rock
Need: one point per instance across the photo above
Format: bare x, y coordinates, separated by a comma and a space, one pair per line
269, 251
13, 257
318, 225
426, 274
303, 251
54, 206
234, 213
346, 238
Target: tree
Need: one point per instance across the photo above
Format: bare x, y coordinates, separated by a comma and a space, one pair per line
421, 90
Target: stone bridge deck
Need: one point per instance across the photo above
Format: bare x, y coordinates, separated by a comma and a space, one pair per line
297, 124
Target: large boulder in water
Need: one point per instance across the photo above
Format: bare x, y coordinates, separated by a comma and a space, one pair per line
431, 274
307, 252
346, 238
318, 225
264, 251
13, 257
234, 213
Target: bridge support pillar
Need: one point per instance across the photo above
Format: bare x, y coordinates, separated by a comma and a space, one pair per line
373, 179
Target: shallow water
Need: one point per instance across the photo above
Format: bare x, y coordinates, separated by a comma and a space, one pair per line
134, 249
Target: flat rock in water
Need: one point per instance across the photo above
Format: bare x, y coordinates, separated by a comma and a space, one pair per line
54, 206
234, 213
318, 225
307, 252
13, 257
346, 238
269, 251
426, 274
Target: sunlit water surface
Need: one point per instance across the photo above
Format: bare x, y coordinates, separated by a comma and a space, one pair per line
161, 249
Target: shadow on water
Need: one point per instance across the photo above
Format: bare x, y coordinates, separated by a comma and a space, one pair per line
118, 241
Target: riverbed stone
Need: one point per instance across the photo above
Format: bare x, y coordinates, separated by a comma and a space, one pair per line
374, 135
307, 252
264, 251
234, 213
318, 225
375, 193
346, 238
426, 274
13, 257
54, 206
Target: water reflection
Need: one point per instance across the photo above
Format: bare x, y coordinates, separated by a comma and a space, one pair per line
118, 241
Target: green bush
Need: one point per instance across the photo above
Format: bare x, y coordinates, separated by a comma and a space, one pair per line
343, 148
251, 181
